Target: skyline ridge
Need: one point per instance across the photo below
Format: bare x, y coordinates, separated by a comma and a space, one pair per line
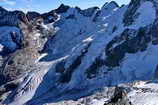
47, 5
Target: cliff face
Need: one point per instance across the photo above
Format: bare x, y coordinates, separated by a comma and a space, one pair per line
92, 49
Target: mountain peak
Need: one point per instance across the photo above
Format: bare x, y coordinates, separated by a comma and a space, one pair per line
113, 3
110, 5
62, 8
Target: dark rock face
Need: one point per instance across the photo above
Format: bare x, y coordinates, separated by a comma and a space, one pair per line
32, 15
49, 17
156, 73
7, 19
62, 8
138, 42
130, 15
60, 67
92, 71
11, 18
155, 42
2, 77
119, 97
8, 87
67, 72
52, 16
154, 30
115, 55
96, 16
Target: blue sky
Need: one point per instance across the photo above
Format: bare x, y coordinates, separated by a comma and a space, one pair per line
47, 5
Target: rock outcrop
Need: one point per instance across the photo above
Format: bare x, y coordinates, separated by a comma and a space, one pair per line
119, 97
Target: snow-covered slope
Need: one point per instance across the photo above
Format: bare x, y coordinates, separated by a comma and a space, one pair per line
105, 47
73, 28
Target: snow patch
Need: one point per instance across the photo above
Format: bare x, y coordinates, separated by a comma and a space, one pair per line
1, 47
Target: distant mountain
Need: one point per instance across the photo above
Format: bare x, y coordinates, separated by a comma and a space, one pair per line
91, 51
